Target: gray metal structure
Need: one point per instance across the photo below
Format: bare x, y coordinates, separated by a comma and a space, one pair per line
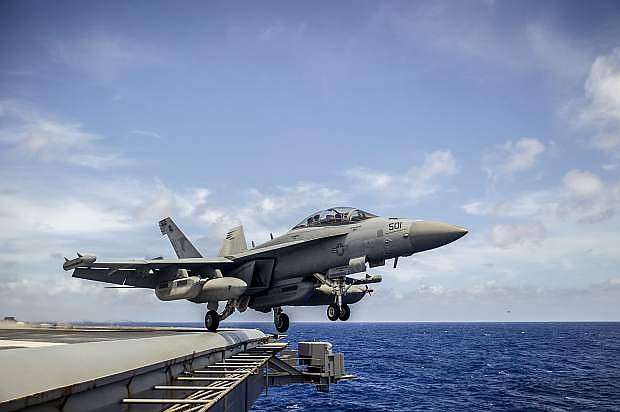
152, 369
311, 264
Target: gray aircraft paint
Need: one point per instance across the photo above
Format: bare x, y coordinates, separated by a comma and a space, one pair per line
285, 270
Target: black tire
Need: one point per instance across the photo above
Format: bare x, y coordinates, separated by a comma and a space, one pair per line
345, 312
282, 323
333, 312
212, 320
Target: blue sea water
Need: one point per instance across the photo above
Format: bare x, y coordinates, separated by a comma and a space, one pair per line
460, 366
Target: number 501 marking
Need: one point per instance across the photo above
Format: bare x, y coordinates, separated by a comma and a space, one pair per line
395, 226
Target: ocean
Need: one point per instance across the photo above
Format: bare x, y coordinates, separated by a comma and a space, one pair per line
459, 367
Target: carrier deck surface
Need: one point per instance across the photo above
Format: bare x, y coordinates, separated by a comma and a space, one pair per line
88, 369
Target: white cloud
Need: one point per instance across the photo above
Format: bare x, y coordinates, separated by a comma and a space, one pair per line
118, 218
416, 183
602, 90
444, 29
490, 300
582, 183
601, 108
102, 55
159, 201
276, 210
583, 197
477, 208
39, 137
61, 216
261, 212
505, 235
606, 141
374, 179
512, 157
145, 133
555, 52
37, 299
437, 163
472, 31
494, 301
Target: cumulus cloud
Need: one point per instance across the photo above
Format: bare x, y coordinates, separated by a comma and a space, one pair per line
582, 183
512, 157
588, 198
496, 301
606, 141
601, 108
602, 89
418, 182
40, 137
110, 217
505, 235
118, 219
373, 178
274, 210
491, 300
123, 215
37, 299
260, 211
24, 214
583, 197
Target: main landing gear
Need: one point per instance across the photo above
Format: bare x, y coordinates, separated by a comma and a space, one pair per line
280, 319
335, 312
212, 318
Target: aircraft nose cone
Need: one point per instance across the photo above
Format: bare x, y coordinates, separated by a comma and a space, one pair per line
425, 235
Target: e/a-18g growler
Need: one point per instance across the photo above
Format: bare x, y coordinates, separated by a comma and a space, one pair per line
312, 264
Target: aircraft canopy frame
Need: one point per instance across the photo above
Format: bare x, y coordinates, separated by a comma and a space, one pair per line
334, 216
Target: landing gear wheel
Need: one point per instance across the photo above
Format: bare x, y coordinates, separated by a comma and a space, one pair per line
345, 312
333, 312
212, 320
282, 323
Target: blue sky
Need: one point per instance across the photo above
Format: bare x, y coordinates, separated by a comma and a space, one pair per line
502, 117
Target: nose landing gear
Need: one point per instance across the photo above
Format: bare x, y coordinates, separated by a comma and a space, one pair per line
335, 312
345, 312
340, 287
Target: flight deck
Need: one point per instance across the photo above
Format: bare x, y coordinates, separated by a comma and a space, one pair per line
137, 369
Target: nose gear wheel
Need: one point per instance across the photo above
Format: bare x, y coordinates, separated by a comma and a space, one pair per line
345, 312
333, 312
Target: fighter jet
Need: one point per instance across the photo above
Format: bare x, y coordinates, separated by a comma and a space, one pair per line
313, 264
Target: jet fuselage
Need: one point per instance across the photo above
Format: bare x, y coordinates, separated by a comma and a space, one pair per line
378, 239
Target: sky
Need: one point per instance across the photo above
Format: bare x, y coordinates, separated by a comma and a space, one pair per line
501, 117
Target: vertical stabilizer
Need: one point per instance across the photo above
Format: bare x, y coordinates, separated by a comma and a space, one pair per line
182, 246
234, 242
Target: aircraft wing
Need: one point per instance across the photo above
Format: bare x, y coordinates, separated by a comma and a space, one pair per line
146, 273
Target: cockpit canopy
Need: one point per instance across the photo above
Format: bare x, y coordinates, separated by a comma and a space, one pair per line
333, 217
